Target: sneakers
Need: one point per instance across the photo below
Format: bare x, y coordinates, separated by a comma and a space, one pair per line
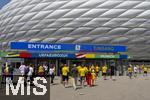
75, 88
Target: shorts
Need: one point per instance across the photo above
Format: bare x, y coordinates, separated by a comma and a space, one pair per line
97, 73
130, 73
41, 74
82, 78
145, 72
104, 74
65, 78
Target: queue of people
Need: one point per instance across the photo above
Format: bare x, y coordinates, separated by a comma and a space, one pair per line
86, 74
134, 70
81, 74
27, 71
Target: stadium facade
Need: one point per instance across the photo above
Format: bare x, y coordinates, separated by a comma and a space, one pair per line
115, 22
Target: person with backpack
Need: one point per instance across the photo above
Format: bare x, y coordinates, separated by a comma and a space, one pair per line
74, 76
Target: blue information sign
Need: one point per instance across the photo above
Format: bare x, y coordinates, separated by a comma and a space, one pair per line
41, 46
66, 47
102, 48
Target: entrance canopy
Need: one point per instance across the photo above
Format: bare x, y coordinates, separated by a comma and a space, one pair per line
48, 50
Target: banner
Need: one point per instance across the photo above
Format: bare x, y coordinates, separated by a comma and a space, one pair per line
51, 55
107, 56
65, 47
45, 55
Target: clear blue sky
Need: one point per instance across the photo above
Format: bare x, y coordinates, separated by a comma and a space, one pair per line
3, 2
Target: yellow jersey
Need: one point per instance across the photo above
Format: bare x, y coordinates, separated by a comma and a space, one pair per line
86, 69
145, 69
65, 70
97, 69
93, 75
82, 71
91, 68
130, 69
104, 69
141, 67
78, 68
41, 69
6, 70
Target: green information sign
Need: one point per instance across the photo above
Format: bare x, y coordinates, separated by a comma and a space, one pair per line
107, 56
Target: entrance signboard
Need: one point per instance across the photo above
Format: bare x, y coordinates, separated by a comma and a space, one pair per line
66, 47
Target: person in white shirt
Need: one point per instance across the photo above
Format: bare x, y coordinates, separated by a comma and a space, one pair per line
30, 73
135, 71
52, 73
22, 69
46, 69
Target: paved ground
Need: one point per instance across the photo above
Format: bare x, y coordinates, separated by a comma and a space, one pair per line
121, 89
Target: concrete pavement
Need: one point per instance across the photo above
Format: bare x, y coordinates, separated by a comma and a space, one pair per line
121, 89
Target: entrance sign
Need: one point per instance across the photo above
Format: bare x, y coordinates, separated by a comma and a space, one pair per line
41, 46
66, 47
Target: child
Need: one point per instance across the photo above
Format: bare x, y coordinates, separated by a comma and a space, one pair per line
93, 77
89, 78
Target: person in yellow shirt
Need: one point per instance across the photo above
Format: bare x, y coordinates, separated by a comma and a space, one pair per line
97, 69
82, 73
145, 69
93, 73
130, 70
41, 71
141, 68
104, 71
149, 69
91, 68
78, 68
86, 69
65, 75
